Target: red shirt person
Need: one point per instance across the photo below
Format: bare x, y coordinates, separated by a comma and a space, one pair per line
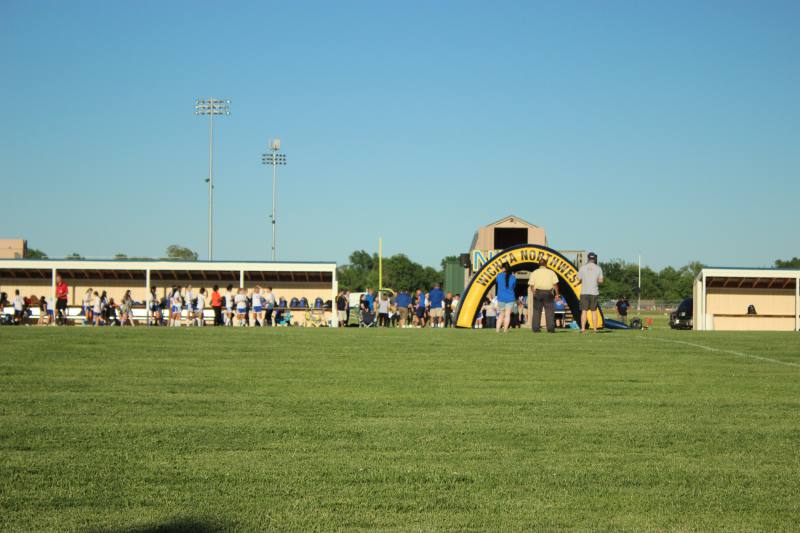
62, 292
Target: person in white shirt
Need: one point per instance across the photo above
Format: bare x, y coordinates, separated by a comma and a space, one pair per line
87, 306
258, 307
19, 307
176, 302
200, 305
188, 296
241, 307
269, 300
97, 308
383, 310
229, 306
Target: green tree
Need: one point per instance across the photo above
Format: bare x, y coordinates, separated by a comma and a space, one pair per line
175, 252
120, 256
794, 262
74, 255
33, 253
399, 273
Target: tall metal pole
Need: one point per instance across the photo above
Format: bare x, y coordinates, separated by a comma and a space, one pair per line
211, 107
274, 158
274, 200
210, 186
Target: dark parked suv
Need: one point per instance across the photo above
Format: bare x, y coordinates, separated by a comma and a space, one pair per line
681, 318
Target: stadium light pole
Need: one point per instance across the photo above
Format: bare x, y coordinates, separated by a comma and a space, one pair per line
274, 158
211, 107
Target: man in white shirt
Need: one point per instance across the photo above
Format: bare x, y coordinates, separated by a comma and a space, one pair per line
591, 276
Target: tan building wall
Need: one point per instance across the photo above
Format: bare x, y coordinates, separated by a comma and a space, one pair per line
735, 301
13, 248
484, 236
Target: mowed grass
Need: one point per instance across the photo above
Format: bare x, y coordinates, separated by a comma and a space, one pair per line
299, 429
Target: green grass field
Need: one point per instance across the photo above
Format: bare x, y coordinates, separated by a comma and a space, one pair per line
298, 429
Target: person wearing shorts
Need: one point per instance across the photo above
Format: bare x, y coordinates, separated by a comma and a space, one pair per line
241, 307
188, 296
402, 301
436, 306
419, 312
155, 307
200, 306
258, 307
341, 308
269, 304
176, 302
506, 296
590, 276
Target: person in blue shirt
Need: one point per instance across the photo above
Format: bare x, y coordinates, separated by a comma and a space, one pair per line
419, 312
402, 301
436, 306
506, 284
560, 306
368, 302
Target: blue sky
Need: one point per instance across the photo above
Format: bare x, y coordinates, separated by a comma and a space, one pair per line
670, 128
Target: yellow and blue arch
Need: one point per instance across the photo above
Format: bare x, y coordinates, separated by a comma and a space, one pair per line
521, 257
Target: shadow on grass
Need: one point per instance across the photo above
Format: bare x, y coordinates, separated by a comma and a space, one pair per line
178, 525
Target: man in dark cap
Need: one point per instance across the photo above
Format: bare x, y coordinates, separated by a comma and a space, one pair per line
591, 276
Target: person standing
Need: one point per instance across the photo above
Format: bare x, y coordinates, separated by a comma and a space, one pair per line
258, 307
216, 305
448, 310
544, 284
269, 299
97, 309
155, 307
591, 276
62, 291
402, 301
383, 310
87, 307
229, 305
341, 308
436, 306
200, 307
188, 303
506, 295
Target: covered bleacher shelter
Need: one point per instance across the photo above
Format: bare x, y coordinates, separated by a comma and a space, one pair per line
37, 277
747, 299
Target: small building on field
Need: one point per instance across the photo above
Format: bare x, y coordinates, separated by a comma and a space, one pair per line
37, 277
747, 299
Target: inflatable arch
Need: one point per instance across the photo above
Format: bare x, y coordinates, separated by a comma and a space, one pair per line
520, 257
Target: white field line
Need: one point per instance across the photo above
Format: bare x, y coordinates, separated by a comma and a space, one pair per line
731, 352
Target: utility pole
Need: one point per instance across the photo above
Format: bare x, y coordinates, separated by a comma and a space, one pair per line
274, 158
211, 107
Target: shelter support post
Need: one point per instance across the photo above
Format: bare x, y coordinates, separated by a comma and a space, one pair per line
147, 303
797, 303
334, 294
241, 279
53, 295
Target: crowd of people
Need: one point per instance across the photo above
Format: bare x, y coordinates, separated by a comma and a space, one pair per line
181, 306
403, 309
259, 307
